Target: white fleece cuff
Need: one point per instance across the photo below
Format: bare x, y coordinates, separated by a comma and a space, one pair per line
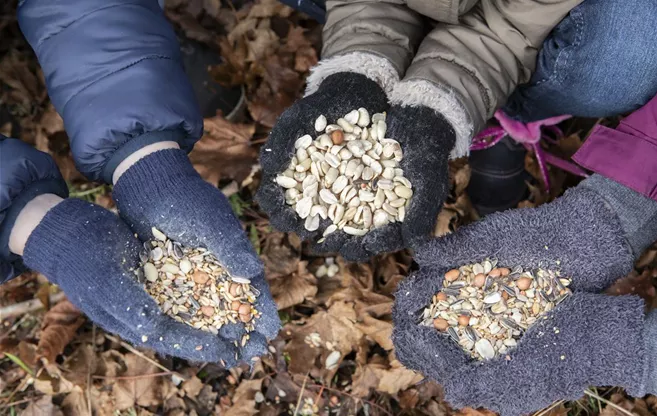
418, 92
374, 67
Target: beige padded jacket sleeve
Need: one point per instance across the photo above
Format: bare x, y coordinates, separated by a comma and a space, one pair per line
377, 38
468, 70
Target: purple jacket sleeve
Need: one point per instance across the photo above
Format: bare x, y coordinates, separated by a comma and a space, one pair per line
24, 173
627, 154
114, 73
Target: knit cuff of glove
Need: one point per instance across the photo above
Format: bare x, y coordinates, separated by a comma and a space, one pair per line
52, 243
374, 67
650, 346
418, 92
46, 186
637, 214
160, 172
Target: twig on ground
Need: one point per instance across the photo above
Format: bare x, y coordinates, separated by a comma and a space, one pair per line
344, 393
303, 388
608, 403
140, 376
547, 410
17, 402
28, 306
135, 351
93, 358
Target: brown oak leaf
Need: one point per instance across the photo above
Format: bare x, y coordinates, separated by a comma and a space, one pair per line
224, 151
58, 329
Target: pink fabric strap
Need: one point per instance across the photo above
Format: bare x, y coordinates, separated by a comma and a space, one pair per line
530, 136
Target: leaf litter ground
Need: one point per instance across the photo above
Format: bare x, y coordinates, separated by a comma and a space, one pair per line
334, 355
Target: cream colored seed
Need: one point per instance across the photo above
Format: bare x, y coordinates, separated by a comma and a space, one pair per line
195, 274
348, 174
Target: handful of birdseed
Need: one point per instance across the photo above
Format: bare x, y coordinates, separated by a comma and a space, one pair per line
349, 173
192, 287
486, 309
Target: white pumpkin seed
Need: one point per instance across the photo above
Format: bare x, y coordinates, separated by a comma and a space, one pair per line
354, 231
363, 117
320, 123
328, 197
352, 117
312, 223
283, 181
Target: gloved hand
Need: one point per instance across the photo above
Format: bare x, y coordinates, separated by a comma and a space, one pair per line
426, 139
91, 254
163, 190
600, 338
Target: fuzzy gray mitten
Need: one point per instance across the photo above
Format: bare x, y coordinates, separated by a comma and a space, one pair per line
426, 139
600, 338
588, 340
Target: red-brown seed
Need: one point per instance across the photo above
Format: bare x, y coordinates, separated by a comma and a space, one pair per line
452, 275
233, 289
235, 305
200, 277
523, 283
504, 271
440, 324
464, 320
495, 273
480, 280
337, 137
244, 309
245, 317
441, 296
207, 310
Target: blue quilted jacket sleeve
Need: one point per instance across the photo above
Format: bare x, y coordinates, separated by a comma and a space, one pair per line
115, 75
24, 173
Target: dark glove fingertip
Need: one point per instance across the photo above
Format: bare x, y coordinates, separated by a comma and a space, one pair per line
271, 199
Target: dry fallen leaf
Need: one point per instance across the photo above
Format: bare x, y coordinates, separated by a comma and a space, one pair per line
75, 404
41, 407
337, 326
243, 400
389, 380
224, 151
192, 386
143, 391
380, 331
50, 380
59, 327
295, 288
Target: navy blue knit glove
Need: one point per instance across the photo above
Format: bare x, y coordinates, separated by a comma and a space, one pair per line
91, 254
163, 190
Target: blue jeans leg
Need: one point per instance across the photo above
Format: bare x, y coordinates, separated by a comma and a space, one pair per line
601, 60
316, 9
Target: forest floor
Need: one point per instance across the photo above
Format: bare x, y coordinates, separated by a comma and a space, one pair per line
55, 361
